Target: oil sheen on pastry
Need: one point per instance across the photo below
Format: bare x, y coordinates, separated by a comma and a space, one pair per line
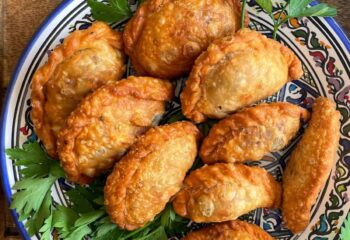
253, 132
237, 71
152, 172
86, 60
108, 122
310, 164
223, 192
232, 230
164, 37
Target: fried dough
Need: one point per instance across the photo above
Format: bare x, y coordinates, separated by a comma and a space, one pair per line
310, 164
233, 230
86, 60
164, 37
145, 179
235, 72
108, 122
223, 192
252, 133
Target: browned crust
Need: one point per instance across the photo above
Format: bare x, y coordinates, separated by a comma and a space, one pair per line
227, 128
229, 230
88, 112
204, 178
310, 164
76, 41
193, 92
117, 182
134, 27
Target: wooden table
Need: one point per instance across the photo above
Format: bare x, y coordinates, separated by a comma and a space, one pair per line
19, 19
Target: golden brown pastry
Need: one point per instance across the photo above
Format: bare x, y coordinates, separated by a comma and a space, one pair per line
310, 164
164, 37
223, 192
237, 71
150, 174
252, 133
232, 230
107, 123
86, 60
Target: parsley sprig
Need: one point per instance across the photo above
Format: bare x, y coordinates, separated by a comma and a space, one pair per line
295, 9
110, 10
86, 215
33, 200
345, 229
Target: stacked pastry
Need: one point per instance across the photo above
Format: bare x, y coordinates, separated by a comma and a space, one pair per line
96, 123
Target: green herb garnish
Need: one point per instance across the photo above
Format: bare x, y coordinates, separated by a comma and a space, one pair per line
110, 11
244, 4
345, 230
295, 9
33, 200
86, 216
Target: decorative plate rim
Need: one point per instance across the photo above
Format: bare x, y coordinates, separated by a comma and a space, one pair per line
4, 173
60, 8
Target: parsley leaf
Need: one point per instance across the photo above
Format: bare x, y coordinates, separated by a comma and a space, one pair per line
320, 10
64, 218
46, 229
295, 9
297, 6
78, 233
158, 234
86, 217
266, 5
35, 161
33, 199
30, 154
110, 11
172, 223
112, 234
37, 220
80, 202
244, 4
345, 229
88, 198
31, 196
108, 230
71, 225
167, 217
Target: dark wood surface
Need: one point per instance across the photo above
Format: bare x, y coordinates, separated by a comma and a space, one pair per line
19, 19
343, 17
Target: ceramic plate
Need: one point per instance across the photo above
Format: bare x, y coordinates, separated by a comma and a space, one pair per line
319, 43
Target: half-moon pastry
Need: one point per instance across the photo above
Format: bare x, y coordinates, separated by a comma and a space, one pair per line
86, 60
108, 122
235, 72
152, 172
164, 37
310, 164
232, 230
253, 132
223, 192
